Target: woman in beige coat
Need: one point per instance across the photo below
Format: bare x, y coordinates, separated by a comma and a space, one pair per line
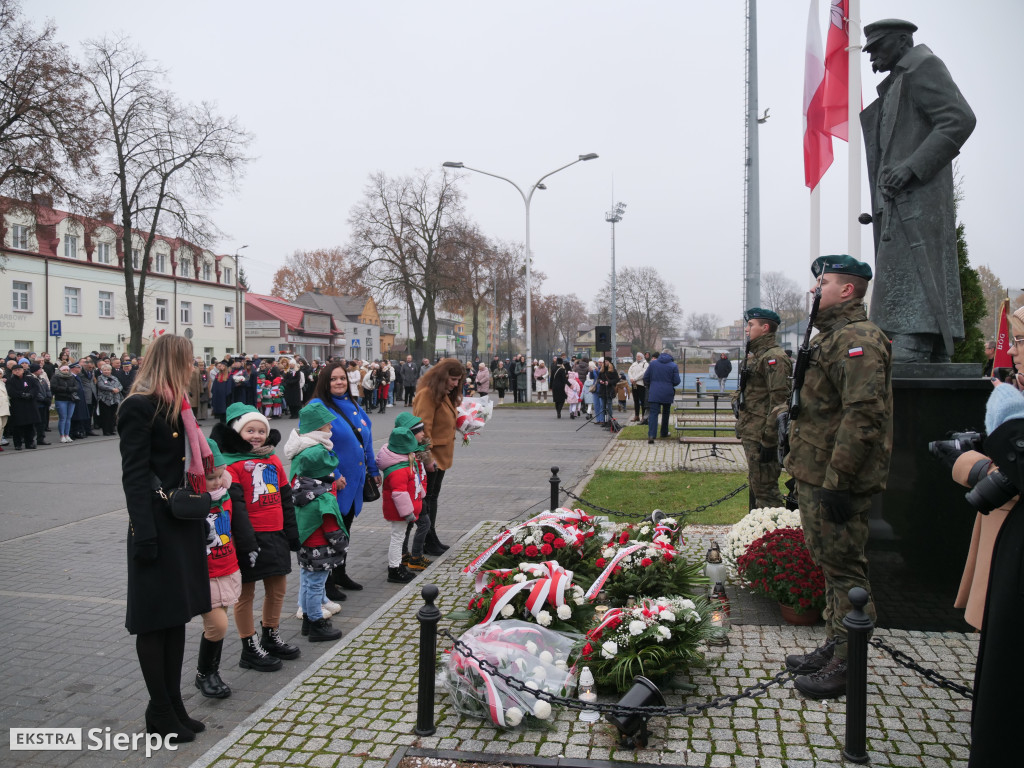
438, 395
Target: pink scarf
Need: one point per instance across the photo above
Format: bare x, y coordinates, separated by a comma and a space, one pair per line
198, 456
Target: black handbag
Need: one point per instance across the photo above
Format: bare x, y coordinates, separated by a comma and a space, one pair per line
370, 490
184, 503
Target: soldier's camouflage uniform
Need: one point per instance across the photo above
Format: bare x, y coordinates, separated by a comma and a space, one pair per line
766, 372
842, 441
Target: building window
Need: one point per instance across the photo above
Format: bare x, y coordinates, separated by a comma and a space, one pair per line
19, 236
161, 262
108, 348
208, 354
136, 257
207, 271
207, 314
106, 303
183, 268
21, 295
369, 345
161, 310
227, 275
185, 314
72, 301
23, 346
75, 348
229, 317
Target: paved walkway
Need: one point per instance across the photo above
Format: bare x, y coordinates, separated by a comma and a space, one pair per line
669, 454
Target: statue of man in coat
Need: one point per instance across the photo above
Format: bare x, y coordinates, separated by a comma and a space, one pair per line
912, 133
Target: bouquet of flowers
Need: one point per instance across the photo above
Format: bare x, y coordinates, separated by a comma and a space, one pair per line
654, 638
779, 565
567, 536
753, 526
473, 413
543, 593
538, 657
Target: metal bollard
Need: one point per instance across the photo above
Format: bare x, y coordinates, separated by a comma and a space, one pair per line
858, 626
555, 482
429, 615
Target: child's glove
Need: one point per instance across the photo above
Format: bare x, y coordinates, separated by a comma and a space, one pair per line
252, 558
294, 545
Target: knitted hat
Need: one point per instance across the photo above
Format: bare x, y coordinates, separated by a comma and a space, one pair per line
403, 441
406, 420
23, 361
314, 416
218, 457
240, 414
1004, 403
1017, 323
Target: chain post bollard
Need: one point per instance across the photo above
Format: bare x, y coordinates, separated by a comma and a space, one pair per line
858, 625
555, 482
429, 615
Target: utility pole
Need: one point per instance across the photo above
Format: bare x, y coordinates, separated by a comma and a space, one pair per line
614, 216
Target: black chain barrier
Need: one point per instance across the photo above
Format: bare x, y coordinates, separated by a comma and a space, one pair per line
929, 674
641, 515
720, 702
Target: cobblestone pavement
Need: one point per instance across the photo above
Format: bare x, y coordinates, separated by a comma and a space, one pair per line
667, 454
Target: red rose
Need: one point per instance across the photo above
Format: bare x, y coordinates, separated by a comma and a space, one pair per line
516, 549
531, 551
646, 562
545, 549
558, 543
548, 537
600, 562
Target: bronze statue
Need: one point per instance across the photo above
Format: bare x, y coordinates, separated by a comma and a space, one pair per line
912, 132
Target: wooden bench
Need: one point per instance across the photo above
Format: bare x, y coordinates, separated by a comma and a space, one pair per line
713, 442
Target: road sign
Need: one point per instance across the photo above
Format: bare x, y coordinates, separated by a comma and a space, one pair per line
55, 328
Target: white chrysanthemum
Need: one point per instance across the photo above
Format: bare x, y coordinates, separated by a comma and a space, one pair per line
544, 619
664, 631
546, 657
528, 540
539, 672
532, 685
531, 647
687, 604
519, 577
663, 601
667, 616
564, 612
507, 611
651, 552
608, 552
513, 716
645, 529
609, 649
542, 710
636, 627
560, 664
668, 521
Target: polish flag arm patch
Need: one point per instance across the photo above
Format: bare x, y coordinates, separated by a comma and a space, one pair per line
856, 352
772, 361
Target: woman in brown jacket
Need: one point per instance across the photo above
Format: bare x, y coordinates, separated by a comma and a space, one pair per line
438, 395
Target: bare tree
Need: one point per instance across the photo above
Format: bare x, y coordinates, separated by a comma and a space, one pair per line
545, 330
330, 271
646, 306
703, 324
47, 139
569, 314
398, 234
165, 163
783, 296
469, 265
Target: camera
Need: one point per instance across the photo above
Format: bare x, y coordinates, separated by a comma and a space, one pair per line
958, 441
988, 490
991, 492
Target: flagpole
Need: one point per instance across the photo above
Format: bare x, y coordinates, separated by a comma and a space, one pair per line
853, 144
815, 243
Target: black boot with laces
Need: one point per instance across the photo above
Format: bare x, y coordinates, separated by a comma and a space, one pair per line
272, 641
827, 683
255, 656
810, 662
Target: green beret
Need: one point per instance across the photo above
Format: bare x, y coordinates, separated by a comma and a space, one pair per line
401, 440
314, 416
218, 457
878, 29
406, 420
237, 409
840, 265
757, 313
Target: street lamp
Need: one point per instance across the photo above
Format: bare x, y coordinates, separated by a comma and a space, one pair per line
614, 216
526, 201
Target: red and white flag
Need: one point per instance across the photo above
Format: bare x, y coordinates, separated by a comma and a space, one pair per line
835, 95
1002, 358
817, 137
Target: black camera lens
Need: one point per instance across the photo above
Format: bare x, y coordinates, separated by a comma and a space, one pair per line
994, 490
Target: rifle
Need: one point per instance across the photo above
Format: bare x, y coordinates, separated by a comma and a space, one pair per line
741, 399
803, 359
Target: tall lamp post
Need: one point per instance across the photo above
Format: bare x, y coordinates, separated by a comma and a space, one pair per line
526, 201
614, 216
240, 331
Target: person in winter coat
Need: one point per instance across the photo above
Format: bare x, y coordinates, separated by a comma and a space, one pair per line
168, 578
220, 392
519, 368
110, 396
230, 536
324, 538
500, 379
540, 381
635, 375
23, 393
65, 389
43, 400
483, 380
352, 438
293, 380
410, 373
559, 379
405, 486
723, 367
258, 481
661, 380
607, 380
573, 393
81, 426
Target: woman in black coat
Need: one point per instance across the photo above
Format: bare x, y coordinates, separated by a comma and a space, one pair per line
293, 381
559, 378
168, 580
23, 391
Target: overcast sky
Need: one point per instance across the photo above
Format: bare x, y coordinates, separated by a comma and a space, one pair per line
334, 91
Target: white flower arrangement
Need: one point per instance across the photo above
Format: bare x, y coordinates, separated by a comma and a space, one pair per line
753, 526
507, 612
564, 612
542, 710
544, 619
610, 649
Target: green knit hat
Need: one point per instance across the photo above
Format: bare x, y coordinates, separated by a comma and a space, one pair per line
237, 409
406, 420
403, 441
314, 416
218, 457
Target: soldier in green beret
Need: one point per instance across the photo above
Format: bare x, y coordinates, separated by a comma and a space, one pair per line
764, 390
840, 444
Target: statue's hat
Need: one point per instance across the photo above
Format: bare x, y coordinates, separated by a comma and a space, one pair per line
876, 30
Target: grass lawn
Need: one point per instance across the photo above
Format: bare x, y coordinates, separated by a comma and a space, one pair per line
671, 492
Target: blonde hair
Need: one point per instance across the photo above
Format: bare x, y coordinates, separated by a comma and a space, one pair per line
165, 374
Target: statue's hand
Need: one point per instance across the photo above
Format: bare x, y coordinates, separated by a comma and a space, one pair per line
897, 178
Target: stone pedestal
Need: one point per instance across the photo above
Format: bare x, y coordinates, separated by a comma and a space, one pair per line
921, 526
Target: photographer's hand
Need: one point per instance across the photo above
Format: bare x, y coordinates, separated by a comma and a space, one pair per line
946, 452
836, 505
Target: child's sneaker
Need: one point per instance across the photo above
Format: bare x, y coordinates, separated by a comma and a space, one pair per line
300, 614
417, 563
330, 608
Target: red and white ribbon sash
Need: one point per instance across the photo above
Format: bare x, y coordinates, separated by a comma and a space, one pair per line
619, 556
554, 520
549, 589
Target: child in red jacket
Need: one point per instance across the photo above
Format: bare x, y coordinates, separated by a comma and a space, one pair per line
405, 485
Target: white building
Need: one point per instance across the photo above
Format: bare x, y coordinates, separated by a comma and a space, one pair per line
66, 270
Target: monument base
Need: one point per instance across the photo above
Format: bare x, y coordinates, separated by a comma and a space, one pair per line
921, 525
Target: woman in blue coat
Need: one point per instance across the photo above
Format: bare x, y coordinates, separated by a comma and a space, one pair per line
352, 436
221, 388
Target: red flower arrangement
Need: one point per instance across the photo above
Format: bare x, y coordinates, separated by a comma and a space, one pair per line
779, 566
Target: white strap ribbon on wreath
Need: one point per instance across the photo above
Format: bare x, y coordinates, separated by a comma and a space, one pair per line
554, 520
619, 556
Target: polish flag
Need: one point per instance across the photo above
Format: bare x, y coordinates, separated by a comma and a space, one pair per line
817, 138
1002, 358
835, 97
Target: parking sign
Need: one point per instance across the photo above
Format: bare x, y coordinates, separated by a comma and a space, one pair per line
55, 327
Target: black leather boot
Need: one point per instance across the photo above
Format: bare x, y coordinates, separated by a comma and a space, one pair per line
332, 590
400, 575
272, 641
208, 670
255, 656
342, 580
810, 662
191, 723
162, 721
321, 631
827, 683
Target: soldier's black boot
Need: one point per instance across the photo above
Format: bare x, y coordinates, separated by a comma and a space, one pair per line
827, 683
810, 662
